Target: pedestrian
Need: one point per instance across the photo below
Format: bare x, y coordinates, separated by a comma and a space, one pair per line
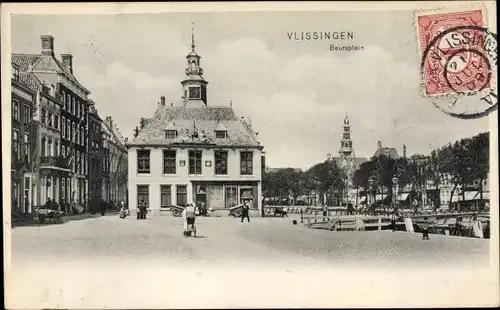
393, 220
245, 210
103, 207
189, 215
140, 209
424, 226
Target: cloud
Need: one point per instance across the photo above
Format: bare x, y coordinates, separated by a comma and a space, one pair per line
118, 74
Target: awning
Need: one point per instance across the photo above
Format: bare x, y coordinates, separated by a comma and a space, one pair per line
471, 195
403, 196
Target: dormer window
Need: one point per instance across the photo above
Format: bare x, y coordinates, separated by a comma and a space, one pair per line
170, 134
220, 134
15, 73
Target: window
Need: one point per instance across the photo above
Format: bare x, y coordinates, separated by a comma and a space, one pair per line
165, 196
346, 136
143, 161
246, 163
68, 129
27, 145
181, 195
194, 92
143, 194
346, 129
73, 136
220, 162
63, 151
15, 110
169, 160
56, 148
15, 73
170, 134
77, 161
63, 188
73, 104
220, 134
64, 97
63, 126
68, 103
44, 147
27, 114
195, 162
15, 143
49, 147
49, 119
77, 109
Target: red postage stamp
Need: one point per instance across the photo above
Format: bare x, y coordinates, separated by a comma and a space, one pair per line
453, 50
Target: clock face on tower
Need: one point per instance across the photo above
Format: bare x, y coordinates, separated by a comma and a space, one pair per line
194, 92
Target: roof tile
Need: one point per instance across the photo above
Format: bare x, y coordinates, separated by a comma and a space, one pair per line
189, 121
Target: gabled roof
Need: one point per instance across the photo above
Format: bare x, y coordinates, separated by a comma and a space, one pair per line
387, 151
220, 127
203, 121
43, 63
357, 161
170, 126
30, 80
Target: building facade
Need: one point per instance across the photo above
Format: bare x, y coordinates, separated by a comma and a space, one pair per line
23, 102
50, 168
95, 154
194, 152
115, 163
73, 114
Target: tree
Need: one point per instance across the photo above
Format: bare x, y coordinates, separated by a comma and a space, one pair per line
479, 158
326, 177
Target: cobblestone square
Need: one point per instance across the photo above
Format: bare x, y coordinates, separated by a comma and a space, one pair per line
98, 259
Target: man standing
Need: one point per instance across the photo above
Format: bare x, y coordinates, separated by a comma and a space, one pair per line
393, 220
189, 217
245, 211
140, 209
424, 226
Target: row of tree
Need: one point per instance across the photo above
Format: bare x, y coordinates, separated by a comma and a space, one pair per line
461, 163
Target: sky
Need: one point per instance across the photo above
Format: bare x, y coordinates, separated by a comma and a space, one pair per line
297, 93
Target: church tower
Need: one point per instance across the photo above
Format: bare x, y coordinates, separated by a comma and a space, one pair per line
346, 151
194, 85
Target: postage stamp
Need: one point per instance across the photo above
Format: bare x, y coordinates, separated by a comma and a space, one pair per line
459, 55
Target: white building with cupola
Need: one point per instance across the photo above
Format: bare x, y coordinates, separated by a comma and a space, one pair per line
192, 151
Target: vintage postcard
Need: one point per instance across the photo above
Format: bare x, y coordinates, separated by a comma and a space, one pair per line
250, 155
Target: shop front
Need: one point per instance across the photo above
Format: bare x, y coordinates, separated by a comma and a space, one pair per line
224, 195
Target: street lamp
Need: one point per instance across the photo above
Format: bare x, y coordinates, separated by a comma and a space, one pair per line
370, 181
394, 193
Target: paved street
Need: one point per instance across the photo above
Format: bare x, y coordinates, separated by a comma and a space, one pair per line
265, 246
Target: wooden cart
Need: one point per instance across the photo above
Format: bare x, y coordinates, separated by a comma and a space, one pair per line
236, 211
176, 210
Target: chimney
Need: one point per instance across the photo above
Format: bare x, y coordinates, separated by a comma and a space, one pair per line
404, 151
47, 45
162, 101
67, 60
109, 121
